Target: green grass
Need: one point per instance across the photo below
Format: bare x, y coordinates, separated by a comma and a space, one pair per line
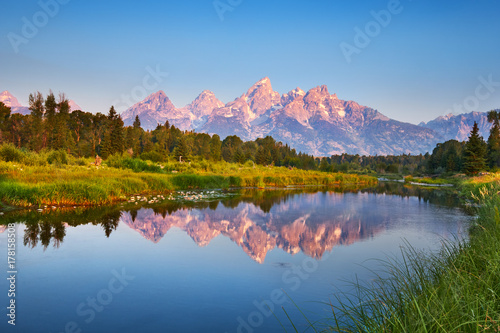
456, 290
54, 178
428, 180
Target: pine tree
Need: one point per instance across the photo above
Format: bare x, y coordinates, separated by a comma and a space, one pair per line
49, 124
181, 152
137, 122
263, 156
117, 135
324, 165
474, 153
4, 123
215, 148
63, 138
494, 140
202, 145
36, 103
114, 138
239, 156
19, 129
80, 126
98, 129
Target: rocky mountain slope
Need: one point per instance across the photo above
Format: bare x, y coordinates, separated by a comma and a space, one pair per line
315, 122
256, 232
9, 100
458, 127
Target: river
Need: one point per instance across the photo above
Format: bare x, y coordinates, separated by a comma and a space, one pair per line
226, 262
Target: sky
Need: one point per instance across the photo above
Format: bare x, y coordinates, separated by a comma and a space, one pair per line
412, 60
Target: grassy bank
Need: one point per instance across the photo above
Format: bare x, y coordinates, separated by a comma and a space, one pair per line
429, 181
457, 290
29, 179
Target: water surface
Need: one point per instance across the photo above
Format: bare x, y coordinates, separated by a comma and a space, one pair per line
217, 265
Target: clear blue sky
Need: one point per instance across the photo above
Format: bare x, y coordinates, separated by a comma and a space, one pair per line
416, 67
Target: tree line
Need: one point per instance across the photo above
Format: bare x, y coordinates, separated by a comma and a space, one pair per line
472, 156
52, 126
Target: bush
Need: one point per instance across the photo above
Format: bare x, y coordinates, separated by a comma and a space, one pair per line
34, 159
134, 164
79, 161
57, 157
249, 164
9, 153
152, 156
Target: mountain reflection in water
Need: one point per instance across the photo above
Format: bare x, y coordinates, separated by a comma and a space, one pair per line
308, 221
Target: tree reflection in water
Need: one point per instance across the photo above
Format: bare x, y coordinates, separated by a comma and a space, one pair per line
50, 226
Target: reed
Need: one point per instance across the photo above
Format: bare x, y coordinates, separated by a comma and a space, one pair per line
56, 178
455, 290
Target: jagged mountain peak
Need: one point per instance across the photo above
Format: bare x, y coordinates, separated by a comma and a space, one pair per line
9, 100
160, 94
153, 110
206, 93
73, 106
298, 91
261, 97
263, 85
159, 99
458, 127
263, 82
315, 122
319, 91
204, 104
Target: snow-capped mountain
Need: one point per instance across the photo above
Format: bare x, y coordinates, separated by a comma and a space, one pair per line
9, 100
315, 122
458, 127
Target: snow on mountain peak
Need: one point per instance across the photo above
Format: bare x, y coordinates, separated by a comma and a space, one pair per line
73, 106
9, 100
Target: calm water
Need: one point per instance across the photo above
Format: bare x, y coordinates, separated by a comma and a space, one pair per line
214, 266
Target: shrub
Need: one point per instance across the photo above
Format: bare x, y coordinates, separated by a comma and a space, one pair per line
79, 161
134, 164
249, 164
57, 157
152, 156
34, 159
9, 153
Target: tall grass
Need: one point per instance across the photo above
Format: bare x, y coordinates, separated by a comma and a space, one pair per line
456, 290
56, 178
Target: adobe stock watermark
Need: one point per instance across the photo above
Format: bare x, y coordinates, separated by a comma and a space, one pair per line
88, 309
484, 90
11, 272
223, 6
363, 37
292, 278
150, 83
30, 27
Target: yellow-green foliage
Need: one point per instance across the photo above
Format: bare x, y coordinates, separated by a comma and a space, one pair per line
426, 180
70, 181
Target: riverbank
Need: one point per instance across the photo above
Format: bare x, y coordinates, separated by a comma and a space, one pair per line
457, 290
24, 185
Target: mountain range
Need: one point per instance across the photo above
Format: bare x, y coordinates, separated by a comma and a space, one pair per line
257, 232
314, 122
9, 100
